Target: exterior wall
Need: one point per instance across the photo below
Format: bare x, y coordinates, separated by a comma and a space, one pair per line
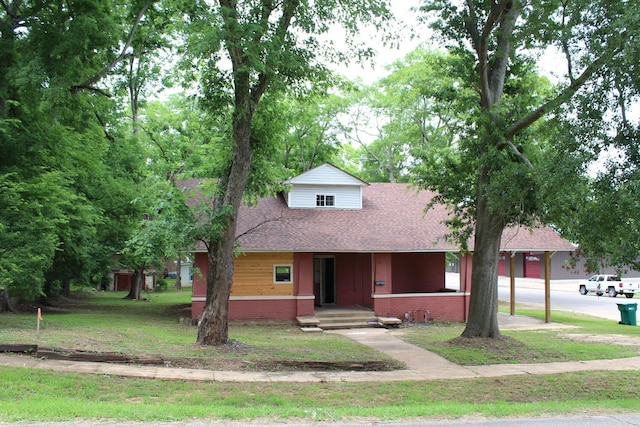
262, 308
533, 264
149, 282
185, 274
346, 197
353, 279
562, 268
355, 276
418, 272
254, 295
450, 307
391, 298
122, 281
253, 274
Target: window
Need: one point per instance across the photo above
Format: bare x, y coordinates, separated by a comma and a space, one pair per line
325, 200
282, 274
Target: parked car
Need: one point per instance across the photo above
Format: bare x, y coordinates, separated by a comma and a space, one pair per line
610, 284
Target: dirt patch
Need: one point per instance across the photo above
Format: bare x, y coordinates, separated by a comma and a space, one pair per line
609, 338
499, 350
233, 347
280, 365
497, 345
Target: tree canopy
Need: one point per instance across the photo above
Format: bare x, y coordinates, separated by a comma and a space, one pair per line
68, 172
508, 165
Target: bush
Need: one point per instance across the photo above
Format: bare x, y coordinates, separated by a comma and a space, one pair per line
161, 285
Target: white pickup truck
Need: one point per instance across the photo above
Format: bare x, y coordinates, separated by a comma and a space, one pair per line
610, 284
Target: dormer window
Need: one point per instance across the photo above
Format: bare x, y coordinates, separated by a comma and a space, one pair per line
323, 200
324, 187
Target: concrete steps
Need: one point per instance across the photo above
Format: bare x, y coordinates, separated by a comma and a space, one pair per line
343, 318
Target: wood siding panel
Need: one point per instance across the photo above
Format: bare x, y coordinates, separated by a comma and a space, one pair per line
253, 274
346, 197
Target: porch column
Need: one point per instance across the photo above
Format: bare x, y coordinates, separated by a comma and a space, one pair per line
382, 283
303, 283
466, 261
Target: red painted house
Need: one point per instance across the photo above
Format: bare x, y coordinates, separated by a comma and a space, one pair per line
335, 241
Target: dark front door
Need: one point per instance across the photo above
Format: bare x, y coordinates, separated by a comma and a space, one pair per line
324, 279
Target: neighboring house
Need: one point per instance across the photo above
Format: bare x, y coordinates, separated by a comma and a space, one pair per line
123, 279
334, 240
186, 273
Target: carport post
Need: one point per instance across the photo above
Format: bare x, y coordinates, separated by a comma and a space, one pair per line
547, 287
512, 277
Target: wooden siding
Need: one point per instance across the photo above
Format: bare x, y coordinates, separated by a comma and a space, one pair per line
346, 197
253, 274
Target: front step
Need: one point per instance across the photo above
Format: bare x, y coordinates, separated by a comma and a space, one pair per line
330, 319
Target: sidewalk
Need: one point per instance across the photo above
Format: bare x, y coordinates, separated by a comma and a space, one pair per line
421, 365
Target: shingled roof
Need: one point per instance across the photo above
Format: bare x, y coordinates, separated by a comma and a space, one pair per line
392, 219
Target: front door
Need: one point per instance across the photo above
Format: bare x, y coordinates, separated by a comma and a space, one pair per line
324, 279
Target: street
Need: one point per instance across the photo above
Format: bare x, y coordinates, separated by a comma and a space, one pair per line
564, 296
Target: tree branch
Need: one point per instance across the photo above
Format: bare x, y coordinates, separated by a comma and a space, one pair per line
507, 21
565, 45
564, 95
289, 8
88, 84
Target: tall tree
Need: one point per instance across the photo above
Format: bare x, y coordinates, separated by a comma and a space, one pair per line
57, 132
311, 128
270, 46
414, 110
501, 157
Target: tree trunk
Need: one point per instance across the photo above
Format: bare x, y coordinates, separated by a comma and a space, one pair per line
5, 302
136, 284
65, 290
483, 305
213, 326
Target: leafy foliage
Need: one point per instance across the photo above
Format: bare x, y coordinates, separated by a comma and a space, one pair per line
518, 124
66, 171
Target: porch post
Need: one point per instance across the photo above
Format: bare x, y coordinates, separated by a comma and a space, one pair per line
382, 283
303, 283
547, 287
512, 277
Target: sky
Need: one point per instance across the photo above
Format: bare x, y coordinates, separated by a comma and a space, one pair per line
387, 55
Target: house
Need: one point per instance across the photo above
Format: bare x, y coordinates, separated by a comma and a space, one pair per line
334, 240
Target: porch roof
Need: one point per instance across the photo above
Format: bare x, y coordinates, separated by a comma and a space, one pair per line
392, 219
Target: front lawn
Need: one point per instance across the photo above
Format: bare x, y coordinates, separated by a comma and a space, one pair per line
104, 322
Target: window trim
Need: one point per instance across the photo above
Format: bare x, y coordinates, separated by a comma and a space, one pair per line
321, 200
275, 274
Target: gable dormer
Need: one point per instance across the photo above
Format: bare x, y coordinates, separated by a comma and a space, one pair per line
325, 187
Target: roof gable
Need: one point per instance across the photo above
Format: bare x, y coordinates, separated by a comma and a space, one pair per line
326, 174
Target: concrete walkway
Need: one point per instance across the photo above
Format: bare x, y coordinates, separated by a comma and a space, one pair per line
421, 364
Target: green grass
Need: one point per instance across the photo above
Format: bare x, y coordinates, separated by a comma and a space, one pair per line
51, 396
106, 322
536, 346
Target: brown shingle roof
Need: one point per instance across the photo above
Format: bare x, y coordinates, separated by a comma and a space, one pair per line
392, 220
